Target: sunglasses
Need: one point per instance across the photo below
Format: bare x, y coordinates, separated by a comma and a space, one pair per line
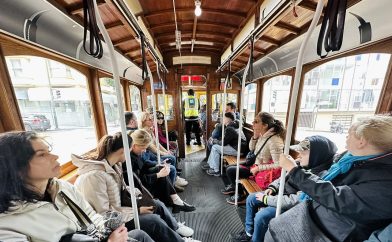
162, 118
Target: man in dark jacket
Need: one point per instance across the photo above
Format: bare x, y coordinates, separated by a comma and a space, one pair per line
229, 145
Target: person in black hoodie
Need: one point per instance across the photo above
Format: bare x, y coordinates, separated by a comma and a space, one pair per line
354, 197
154, 177
229, 145
316, 154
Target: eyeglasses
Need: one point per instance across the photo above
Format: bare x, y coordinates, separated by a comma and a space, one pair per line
162, 118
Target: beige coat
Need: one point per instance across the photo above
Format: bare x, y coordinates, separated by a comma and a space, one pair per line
271, 151
45, 221
100, 184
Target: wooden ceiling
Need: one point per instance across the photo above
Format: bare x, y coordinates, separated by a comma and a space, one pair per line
219, 23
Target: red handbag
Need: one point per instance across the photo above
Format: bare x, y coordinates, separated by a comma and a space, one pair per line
264, 178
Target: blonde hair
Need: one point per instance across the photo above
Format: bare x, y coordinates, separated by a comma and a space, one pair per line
143, 117
141, 137
376, 130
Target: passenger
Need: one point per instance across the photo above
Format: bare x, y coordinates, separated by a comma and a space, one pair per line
100, 180
150, 156
353, 198
217, 132
316, 154
154, 177
267, 143
131, 121
191, 106
229, 145
162, 134
32, 204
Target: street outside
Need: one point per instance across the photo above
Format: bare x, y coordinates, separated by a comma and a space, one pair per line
338, 139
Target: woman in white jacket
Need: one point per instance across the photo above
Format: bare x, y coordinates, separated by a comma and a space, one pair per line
101, 180
31, 207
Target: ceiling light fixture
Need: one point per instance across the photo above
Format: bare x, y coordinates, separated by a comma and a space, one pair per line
197, 8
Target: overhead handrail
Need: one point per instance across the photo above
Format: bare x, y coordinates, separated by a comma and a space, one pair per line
293, 99
280, 7
120, 104
164, 104
242, 94
94, 46
154, 113
131, 19
332, 27
223, 115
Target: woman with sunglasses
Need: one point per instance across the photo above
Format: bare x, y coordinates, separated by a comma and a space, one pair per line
162, 134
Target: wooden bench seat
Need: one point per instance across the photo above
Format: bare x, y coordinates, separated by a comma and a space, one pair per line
250, 186
232, 160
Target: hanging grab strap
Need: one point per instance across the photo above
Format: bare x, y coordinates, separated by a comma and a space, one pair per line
332, 28
94, 47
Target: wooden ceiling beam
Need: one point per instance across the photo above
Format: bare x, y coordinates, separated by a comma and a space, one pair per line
288, 27
114, 25
192, 9
259, 50
214, 41
122, 40
171, 34
130, 51
308, 5
189, 22
78, 8
186, 47
270, 40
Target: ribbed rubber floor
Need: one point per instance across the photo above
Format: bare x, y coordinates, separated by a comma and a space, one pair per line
214, 219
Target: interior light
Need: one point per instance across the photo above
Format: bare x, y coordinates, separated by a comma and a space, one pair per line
198, 8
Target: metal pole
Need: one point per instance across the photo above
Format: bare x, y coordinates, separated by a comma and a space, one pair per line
117, 85
237, 175
164, 104
293, 100
223, 115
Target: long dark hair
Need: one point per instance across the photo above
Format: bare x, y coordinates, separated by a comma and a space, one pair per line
16, 152
109, 144
267, 118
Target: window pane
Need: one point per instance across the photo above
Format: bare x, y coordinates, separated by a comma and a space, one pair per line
250, 102
217, 100
136, 102
168, 102
276, 96
110, 105
348, 89
56, 108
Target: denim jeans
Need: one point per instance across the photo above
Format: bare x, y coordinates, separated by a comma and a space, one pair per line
256, 221
214, 158
152, 160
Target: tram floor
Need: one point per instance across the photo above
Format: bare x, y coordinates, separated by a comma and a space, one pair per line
214, 219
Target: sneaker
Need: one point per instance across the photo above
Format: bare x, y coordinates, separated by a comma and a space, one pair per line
228, 190
183, 230
181, 182
212, 172
178, 188
241, 199
186, 208
240, 237
205, 167
191, 240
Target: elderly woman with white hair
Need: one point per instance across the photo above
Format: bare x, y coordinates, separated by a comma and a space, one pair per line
353, 198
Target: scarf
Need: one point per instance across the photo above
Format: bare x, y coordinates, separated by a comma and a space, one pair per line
342, 166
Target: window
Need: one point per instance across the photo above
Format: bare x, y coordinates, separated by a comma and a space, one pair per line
250, 102
168, 103
110, 105
217, 104
136, 102
59, 70
276, 94
58, 110
16, 67
347, 95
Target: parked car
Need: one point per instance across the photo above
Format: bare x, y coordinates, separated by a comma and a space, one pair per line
336, 127
36, 122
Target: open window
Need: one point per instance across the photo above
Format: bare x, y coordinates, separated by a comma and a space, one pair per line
250, 102
339, 93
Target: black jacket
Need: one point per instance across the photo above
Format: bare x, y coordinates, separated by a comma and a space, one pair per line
147, 174
353, 204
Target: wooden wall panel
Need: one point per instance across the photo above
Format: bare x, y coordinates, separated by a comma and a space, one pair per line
10, 116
